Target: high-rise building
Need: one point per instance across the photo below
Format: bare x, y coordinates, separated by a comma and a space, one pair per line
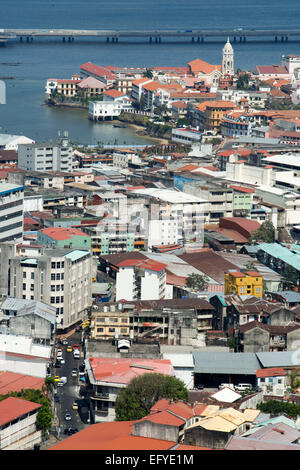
59, 277
46, 156
11, 212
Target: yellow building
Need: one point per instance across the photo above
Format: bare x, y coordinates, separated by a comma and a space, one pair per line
247, 283
108, 322
214, 112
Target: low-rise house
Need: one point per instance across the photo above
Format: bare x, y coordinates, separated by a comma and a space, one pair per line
114, 102
29, 318
108, 375
18, 429
259, 337
272, 381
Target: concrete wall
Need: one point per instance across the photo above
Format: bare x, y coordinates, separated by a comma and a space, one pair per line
256, 340
281, 317
199, 436
30, 325
156, 431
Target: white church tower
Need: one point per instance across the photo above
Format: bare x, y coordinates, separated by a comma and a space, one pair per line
227, 59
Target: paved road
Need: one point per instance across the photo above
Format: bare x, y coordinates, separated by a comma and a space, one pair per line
69, 392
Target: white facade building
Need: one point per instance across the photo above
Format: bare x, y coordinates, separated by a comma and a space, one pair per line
227, 59
11, 142
58, 277
11, 212
18, 429
46, 156
21, 355
114, 102
177, 207
140, 280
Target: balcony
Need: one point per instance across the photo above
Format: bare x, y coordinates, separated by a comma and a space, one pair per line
101, 395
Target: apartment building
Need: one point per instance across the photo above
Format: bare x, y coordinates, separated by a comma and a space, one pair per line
140, 279
170, 205
110, 322
11, 212
66, 87
46, 156
114, 102
60, 277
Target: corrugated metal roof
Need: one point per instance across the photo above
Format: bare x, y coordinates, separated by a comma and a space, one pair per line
276, 359
225, 363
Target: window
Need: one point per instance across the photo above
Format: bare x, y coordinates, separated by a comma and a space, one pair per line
24, 286
58, 277
52, 277
53, 265
24, 275
32, 275
52, 288
99, 330
52, 300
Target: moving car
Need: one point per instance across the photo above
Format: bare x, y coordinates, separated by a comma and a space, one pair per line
74, 372
68, 417
75, 406
56, 378
75, 346
69, 349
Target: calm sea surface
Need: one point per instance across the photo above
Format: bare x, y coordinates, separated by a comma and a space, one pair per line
31, 64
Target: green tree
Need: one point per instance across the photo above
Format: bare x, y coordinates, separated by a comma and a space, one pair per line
197, 282
243, 82
135, 401
148, 74
278, 407
265, 233
290, 277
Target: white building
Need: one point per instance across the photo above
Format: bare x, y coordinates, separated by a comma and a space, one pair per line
11, 142
11, 212
18, 429
227, 59
141, 280
185, 209
186, 136
122, 158
22, 355
114, 102
46, 156
59, 277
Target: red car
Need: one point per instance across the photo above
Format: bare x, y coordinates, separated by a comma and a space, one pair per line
75, 347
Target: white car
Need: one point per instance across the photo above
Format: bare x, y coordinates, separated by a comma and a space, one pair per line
62, 361
243, 387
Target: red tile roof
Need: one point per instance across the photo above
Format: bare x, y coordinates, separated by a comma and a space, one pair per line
12, 382
164, 417
114, 435
123, 370
97, 70
12, 408
270, 372
199, 65
113, 93
62, 233
145, 264
242, 189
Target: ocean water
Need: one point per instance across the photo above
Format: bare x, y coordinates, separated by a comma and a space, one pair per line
31, 64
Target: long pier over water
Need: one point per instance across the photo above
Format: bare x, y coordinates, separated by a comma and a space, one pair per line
195, 35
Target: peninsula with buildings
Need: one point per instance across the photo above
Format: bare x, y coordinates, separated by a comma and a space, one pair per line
174, 265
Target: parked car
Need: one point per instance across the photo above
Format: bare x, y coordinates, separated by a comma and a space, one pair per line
75, 346
56, 378
56, 398
57, 364
226, 385
68, 417
200, 386
65, 341
62, 361
74, 372
243, 387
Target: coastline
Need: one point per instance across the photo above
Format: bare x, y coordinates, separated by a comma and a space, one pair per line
138, 129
